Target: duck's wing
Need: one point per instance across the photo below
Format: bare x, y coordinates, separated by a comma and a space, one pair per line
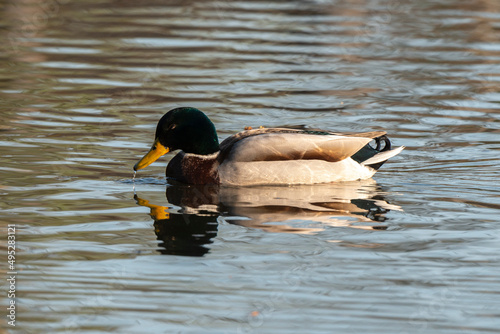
291, 144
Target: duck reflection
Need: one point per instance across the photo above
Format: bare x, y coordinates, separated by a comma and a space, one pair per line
287, 209
185, 230
189, 221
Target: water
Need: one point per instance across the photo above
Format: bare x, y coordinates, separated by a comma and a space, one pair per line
415, 250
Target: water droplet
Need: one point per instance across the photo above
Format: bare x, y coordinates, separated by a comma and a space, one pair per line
133, 182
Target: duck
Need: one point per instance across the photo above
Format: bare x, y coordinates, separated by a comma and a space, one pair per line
263, 156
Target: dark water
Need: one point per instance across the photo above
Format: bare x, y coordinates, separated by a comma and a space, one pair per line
416, 250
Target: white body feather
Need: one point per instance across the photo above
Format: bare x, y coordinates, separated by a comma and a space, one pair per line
292, 172
281, 158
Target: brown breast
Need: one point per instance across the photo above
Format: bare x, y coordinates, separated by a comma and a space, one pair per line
193, 169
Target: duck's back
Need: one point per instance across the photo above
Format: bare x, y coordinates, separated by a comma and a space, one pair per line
290, 156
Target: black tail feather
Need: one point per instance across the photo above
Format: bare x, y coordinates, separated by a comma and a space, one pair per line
382, 144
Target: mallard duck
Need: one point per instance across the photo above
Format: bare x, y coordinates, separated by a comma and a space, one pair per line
264, 155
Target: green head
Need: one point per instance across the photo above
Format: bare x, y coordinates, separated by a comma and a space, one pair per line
186, 129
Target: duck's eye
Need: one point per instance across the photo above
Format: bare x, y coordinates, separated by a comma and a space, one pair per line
171, 127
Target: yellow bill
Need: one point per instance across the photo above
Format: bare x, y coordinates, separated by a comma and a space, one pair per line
156, 151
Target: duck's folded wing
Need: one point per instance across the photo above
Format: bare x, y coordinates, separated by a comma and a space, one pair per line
295, 146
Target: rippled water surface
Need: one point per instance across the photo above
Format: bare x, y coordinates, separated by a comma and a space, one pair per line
415, 250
